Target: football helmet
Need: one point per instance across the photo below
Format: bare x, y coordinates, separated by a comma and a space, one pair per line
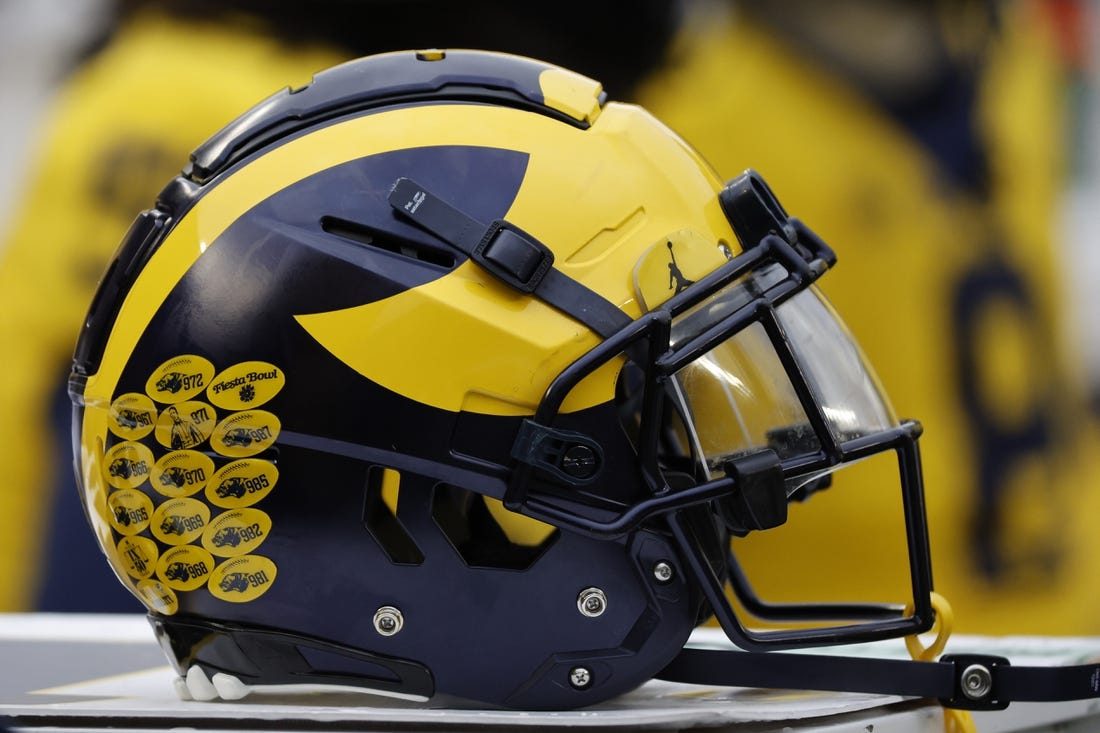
445, 358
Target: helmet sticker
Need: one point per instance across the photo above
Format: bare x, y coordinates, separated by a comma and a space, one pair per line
132, 416
128, 465
185, 568
178, 521
241, 483
158, 597
245, 385
245, 433
242, 579
179, 489
137, 556
185, 425
181, 473
179, 379
236, 532
130, 511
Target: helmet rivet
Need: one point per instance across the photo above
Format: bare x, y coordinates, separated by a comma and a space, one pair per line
662, 571
977, 682
580, 677
388, 620
579, 461
592, 602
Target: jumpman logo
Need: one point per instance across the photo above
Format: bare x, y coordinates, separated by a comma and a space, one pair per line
674, 274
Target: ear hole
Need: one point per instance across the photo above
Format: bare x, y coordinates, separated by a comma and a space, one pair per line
380, 517
487, 535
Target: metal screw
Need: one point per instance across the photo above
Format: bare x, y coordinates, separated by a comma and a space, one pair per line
579, 461
388, 620
592, 602
662, 571
580, 677
977, 682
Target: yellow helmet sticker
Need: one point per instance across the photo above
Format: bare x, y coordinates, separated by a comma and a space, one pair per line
185, 425
181, 473
185, 568
178, 521
245, 385
179, 379
674, 263
132, 416
158, 597
245, 433
236, 532
130, 511
241, 483
128, 465
137, 556
242, 579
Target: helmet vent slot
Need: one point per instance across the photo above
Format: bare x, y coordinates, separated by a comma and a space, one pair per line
370, 237
380, 517
485, 534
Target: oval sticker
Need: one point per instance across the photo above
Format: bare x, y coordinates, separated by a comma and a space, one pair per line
179, 379
245, 385
178, 521
185, 568
182, 472
236, 532
132, 416
241, 483
130, 510
158, 597
245, 433
138, 556
242, 579
128, 465
185, 425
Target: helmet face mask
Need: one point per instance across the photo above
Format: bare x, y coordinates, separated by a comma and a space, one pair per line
446, 357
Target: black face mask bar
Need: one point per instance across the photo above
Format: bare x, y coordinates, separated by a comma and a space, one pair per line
753, 492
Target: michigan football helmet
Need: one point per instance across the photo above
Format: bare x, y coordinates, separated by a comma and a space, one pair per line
444, 374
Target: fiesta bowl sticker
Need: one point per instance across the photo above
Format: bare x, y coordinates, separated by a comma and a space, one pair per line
158, 597
179, 379
178, 521
245, 433
181, 473
241, 483
236, 532
185, 425
185, 568
242, 579
138, 556
128, 465
132, 416
245, 385
130, 510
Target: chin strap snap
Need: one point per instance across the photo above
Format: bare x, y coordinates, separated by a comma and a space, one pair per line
954, 719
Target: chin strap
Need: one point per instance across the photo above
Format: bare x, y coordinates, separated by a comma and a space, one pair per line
957, 681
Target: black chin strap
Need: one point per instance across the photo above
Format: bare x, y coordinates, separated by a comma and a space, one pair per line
963, 681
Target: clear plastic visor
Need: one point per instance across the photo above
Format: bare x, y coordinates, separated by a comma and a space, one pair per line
738, 397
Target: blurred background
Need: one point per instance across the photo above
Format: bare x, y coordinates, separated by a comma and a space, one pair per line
948, 150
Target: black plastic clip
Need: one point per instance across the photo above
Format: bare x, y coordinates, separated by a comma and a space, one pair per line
975, 682
759, 498
513, 255
571, 457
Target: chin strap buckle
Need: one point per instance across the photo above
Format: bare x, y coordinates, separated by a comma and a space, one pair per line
976, 682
